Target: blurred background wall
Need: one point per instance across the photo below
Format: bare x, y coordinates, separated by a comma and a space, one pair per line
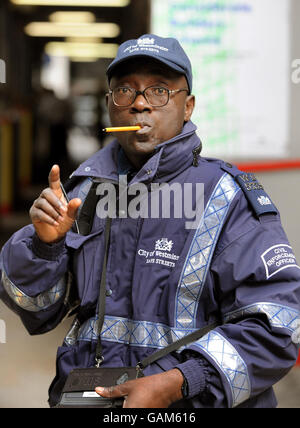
52, 87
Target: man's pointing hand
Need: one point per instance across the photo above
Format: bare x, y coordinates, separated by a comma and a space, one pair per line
51, 215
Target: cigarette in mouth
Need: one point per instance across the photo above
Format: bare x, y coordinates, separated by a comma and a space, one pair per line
122, 129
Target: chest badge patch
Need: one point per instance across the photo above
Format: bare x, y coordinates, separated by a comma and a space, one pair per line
161, 255
164, 245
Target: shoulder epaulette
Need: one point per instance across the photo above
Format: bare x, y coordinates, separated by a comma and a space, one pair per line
252, 189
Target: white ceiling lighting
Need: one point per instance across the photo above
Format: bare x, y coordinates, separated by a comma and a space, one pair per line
72, 17
73, 3
84, 39
82, 50
59, 29
81, 59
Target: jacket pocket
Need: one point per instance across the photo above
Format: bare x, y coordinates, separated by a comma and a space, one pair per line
75, 241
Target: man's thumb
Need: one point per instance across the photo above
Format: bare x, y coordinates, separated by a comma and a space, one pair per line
73, 206
110, 392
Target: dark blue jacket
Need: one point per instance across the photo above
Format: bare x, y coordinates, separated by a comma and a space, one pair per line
165, 280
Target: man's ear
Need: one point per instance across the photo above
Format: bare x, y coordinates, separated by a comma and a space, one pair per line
106, 99
189, 107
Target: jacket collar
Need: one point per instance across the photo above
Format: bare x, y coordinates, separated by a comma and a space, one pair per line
169, 159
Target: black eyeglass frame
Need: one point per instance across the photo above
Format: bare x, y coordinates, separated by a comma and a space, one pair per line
137, 93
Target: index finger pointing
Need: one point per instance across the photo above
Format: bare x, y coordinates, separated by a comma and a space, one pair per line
54, 178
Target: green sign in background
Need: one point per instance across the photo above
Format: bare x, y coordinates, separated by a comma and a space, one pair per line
211, 33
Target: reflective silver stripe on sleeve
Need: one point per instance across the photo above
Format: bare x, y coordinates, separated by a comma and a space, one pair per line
278, 315
38, 303
230, 363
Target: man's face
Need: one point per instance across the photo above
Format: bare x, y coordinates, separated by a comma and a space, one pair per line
159, 124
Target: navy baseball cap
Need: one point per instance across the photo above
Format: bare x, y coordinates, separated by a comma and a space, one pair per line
165, 50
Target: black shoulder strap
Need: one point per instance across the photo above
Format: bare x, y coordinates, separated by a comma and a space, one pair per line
102, 295
176, 345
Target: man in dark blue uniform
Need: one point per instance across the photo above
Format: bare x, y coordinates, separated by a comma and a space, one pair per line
164, 281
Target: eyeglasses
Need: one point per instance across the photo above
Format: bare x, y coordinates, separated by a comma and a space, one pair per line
156, 96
